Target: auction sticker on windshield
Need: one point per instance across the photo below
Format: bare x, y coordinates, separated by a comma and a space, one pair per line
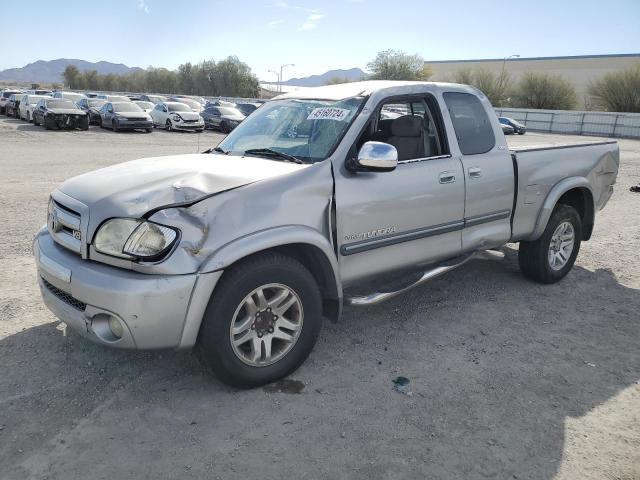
328, 113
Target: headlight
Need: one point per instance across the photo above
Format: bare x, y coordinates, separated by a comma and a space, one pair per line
129, 238
176, 118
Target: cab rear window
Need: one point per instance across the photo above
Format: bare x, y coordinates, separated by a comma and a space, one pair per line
471, 123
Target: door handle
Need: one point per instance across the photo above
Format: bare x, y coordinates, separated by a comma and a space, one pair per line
475, 172
447, 177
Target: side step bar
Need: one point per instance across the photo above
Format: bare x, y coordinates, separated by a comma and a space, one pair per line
435, 272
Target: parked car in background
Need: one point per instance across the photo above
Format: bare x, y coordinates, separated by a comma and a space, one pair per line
507, 129
92, 107
134, 98
146, 106
125, 116
219, 103
176, 116
518, 127
4, 97
155, 99
56, 113
12, 105
73, 96
90, 94
27, 104
113, 98
193, 104
39, 92
200, 100
224, 119
247, 108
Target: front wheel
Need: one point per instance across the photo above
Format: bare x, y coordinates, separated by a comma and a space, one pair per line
549, 258
114, 126
168, 126
261, 322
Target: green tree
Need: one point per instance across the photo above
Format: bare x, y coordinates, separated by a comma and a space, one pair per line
71, 76
618, 91
494, 85
544, 91
397, 65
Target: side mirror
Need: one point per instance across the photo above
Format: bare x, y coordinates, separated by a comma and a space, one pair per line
377, 157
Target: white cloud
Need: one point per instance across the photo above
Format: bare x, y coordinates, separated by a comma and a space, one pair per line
142, 5
307, 26
315, 16
274, 23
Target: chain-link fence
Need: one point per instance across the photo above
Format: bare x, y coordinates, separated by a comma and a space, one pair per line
601, 124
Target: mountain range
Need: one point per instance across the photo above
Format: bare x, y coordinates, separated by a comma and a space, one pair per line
351, 74
50, 71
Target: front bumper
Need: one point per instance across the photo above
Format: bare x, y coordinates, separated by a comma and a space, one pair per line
134, 124
155, 311
188, 126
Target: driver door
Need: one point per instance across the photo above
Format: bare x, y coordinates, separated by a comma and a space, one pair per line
412, 215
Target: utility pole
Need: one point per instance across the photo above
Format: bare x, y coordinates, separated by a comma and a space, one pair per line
281, 67
277, 76
503, 72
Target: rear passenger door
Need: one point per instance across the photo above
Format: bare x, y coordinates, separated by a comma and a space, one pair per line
488, 171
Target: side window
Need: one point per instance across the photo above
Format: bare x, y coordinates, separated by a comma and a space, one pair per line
412, 126
470, 122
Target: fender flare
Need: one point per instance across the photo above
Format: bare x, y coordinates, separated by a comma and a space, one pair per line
551, 201
271, 238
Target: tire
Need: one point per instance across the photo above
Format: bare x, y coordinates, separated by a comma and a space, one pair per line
35, 122
84, 123
168, 126
535, 258
29, 119
270, 271
149, 130
114, 126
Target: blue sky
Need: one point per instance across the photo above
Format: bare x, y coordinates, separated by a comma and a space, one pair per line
314, 35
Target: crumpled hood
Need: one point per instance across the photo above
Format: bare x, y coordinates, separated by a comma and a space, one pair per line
133, 188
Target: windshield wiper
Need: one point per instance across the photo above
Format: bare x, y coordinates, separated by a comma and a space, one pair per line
268, 152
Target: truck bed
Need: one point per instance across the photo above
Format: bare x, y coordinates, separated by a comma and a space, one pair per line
539, 166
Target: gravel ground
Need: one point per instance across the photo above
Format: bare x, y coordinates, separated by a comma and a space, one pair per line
509, 379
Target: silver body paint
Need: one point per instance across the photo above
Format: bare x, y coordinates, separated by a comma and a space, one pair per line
357, 225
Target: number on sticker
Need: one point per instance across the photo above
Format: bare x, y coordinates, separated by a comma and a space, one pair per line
328, 113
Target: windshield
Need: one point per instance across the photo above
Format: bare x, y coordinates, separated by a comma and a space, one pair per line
156, 98
145, 105
178, 107
8, 94
60, 104
117, 98
306, 129
97, 103
126, 107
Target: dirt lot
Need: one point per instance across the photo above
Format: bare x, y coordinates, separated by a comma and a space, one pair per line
509, 379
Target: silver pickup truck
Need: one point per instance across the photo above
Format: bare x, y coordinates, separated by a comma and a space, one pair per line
242, 251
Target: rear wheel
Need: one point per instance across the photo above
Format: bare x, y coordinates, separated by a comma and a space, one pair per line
149, 130
29, 117
35, 120
262, 321
549, 258
84, 123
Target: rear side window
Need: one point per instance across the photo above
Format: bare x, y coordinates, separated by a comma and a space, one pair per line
470, 122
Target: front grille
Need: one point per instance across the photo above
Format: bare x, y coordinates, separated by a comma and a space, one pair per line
64, 226
65, 297
190, 121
